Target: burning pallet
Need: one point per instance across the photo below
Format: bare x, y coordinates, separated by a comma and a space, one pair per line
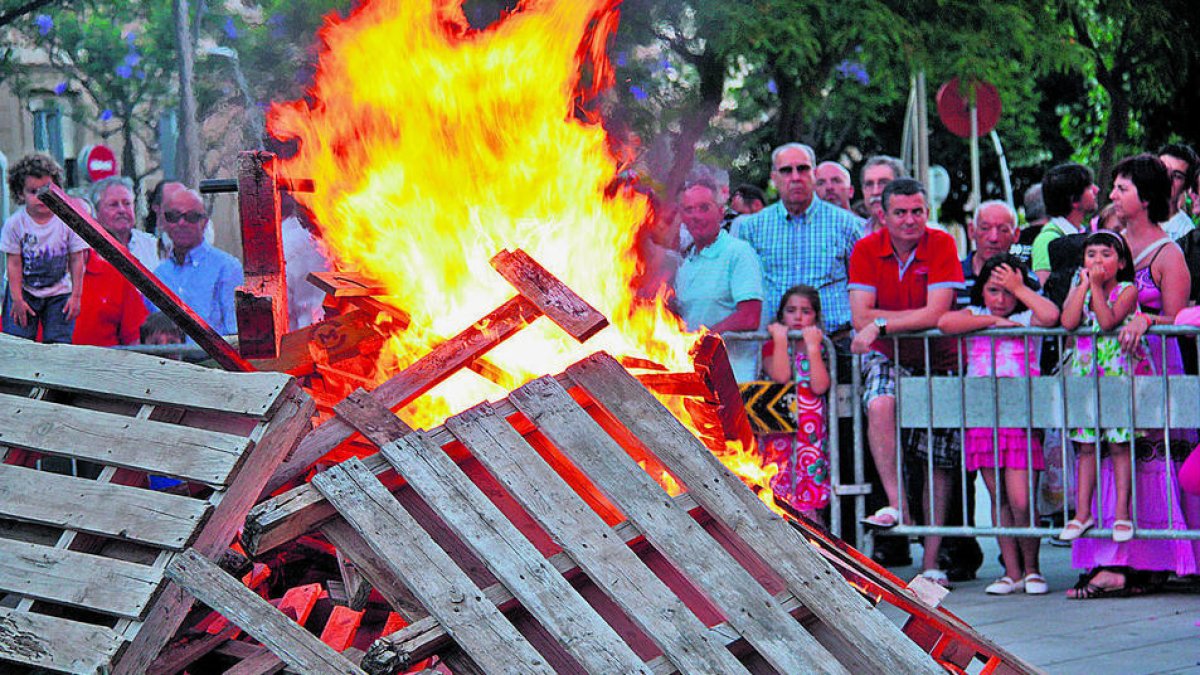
84, 555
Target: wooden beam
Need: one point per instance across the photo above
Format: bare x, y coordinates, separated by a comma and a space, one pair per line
346, 284
164, 298
712, 363
262, 299
558, 302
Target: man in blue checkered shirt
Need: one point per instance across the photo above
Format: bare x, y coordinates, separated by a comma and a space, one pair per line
803, 240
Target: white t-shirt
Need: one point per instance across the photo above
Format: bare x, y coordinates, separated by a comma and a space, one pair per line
45, 251
144, 247
1178, 225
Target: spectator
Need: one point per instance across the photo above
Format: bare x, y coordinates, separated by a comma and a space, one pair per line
159, 329
1182, 164
202, 276
903, 277
748, 199
302, 256
803, 240
44, 258
113, 201
993, 231
1035, 220
1070, 195
833, 184
876, 173
719, 282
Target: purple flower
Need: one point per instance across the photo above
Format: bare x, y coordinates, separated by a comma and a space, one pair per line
230, 29
621, 59
124, 71
638, 93
132, 59
44, 24
140, 74
106, 115
130, 37
60, 88
665, 63
853, 70
772, 86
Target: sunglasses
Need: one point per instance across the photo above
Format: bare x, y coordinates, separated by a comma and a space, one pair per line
793, 169
192, 217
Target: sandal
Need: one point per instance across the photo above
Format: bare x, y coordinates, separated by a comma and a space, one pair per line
1075, 529
1084, 589
1122, 531
1004, 586
883, 519
1035, 584
938, 577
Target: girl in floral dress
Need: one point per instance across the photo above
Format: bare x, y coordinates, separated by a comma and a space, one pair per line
1103, 299
803, 478
1004, 298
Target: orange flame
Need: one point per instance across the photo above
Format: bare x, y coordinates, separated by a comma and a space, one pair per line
433, 146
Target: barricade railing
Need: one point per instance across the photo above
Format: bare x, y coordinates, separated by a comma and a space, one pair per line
1162, 405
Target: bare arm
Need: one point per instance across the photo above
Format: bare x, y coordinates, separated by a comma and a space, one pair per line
745, 316
1072, 311
964, 321
777, 364
1045, 313
1110, 318
77, 261
818, 372
16, 284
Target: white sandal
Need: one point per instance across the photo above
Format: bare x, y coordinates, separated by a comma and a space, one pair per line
883, 519
1004, 586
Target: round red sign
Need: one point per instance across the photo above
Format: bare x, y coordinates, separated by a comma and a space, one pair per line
955, 111
99, 162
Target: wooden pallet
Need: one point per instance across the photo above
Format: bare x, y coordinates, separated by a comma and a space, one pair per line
522, 536
82, 559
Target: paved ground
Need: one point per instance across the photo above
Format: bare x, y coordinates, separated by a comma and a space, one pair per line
1158, 633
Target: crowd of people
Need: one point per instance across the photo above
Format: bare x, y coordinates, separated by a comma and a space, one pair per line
818, 264
57, 291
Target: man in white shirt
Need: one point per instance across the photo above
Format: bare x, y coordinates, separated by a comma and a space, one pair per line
1181, 162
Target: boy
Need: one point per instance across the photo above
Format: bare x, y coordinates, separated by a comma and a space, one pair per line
44, 258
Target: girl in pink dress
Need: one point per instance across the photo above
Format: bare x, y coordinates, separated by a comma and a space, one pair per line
803, 478
1003, 297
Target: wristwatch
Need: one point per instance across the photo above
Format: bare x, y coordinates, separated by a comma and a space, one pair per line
881, 324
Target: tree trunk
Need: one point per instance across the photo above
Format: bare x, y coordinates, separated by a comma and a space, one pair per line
188, 154
128, 156
1115, 135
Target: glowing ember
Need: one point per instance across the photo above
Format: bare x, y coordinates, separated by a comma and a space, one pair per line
433, 146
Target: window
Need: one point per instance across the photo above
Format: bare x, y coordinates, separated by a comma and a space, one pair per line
48, 132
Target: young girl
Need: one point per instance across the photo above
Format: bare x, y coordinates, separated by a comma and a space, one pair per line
1003, 297
803, 478
1104, 299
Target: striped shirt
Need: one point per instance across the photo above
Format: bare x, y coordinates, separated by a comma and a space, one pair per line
812, 248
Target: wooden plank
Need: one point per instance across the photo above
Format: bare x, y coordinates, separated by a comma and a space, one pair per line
808, 576
262, 662
541, 590
167, 449
346, 284
77, 579
404, 387
157, 292
45, 641
262, 299
556, 300
425, 569
341, 627
746, 605
290, 642
137, 377
712, 364
585, 537
144, 516
271, 442
260, 305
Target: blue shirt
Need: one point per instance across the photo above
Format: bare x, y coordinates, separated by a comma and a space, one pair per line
812, 248
205, 282
709, 285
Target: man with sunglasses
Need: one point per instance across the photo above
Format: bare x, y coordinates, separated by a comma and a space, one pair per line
203, 276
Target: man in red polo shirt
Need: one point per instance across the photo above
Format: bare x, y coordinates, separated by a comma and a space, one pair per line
903, 277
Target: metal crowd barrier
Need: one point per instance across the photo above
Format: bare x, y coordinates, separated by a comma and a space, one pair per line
1165, 403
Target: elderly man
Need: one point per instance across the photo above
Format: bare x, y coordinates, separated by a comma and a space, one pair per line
1182, 164
719, 283
112, 310
802, 239
202, 276
903, 277
833, 184
876, 173
993, 231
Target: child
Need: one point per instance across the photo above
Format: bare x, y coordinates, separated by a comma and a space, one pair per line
1104, 299
1005, 299
159, 329
45, 258
803, 477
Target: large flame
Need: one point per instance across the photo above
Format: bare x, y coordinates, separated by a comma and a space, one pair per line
433, 146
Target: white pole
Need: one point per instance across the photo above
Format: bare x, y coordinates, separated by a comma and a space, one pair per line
976, 191
1004, 173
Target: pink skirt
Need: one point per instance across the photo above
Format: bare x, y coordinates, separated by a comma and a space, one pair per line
1015, 447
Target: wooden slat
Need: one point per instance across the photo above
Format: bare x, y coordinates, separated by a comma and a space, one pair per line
425, 569
748, 607
137, 377
541, 590
59, 644
558, 302
812, 579
290, 642
345, 284
95, 507
585, 537
261, 302
404, 387
77, 579
167, 449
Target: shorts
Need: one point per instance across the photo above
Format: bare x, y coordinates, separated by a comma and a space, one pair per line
880, 375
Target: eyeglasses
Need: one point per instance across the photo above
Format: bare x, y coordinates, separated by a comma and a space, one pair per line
192, 217
1178, 175
793, 168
